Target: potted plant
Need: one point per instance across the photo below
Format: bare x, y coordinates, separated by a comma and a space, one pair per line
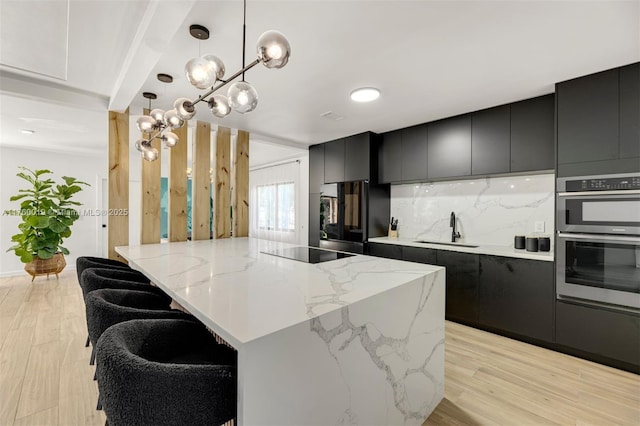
47, 214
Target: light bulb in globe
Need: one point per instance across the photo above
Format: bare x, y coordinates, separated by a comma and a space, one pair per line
243, 97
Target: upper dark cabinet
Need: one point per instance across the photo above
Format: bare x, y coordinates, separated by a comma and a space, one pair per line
490, 147
449, 147
597, 120
344, 160
588, 118
532, 134
357, 158
334, 156
390, 157
316, 167
630, 111
413, 164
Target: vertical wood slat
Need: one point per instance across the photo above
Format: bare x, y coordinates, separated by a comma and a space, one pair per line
241, 186
178, 187
222, 217
201, 186
150, 204
118, 218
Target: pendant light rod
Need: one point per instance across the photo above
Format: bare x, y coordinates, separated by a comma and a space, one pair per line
229, 80
244, 33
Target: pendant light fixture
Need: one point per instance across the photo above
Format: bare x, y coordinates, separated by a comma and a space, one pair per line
207, 72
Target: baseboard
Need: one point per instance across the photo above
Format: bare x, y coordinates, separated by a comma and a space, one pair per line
17, 273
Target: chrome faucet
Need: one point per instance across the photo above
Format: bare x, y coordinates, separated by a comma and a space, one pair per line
452, 223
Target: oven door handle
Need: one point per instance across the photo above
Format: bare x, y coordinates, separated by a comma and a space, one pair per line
599, 237
597, 193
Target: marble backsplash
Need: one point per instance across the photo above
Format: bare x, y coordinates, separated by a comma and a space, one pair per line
489, 211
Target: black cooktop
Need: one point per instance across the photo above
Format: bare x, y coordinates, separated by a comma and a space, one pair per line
308, 254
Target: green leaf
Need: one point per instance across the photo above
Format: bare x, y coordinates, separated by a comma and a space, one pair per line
42, 172
63, 250
66, 233
18, 197
26, 257
56, 226
45, 254
38, 221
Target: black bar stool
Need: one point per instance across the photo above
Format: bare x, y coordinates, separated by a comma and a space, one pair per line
94, 279
165, 372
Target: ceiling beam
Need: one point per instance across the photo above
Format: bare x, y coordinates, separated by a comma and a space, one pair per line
161, 21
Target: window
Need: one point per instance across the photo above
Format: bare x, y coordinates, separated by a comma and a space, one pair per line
276, 207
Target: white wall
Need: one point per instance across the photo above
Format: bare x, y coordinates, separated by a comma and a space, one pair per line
84, 238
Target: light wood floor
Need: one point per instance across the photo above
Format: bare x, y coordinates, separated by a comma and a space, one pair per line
45, 377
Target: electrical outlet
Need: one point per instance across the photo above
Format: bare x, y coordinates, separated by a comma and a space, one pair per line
538, 226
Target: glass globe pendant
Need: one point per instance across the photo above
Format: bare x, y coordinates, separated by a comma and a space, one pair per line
140, 143
158, 115
145, 123
172, 119
216, 64
185, 109
170, 139
273, 49
243, 97
219, 105
200, 73
150, 154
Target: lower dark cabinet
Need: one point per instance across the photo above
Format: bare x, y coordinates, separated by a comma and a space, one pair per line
419, 255
517, 296
601, 332
390, 251
462, 285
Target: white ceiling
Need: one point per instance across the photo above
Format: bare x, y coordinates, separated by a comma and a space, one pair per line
430, 59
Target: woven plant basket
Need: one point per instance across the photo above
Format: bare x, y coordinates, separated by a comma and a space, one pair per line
38, 266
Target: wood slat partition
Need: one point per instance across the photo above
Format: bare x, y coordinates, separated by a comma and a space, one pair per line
118, 182
221, 215
241, 186
178, 187
201, 186
150, 205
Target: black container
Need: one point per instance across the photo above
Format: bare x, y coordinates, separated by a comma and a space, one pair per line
544, 244
518, 241
532, 244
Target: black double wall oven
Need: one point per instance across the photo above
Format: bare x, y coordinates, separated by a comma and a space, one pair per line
598, 240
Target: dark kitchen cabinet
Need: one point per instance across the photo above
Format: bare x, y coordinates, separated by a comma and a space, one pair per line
609, 334
420, 255
334, 156
598, 123
390, 251
588, 118
449, 147
390, 157
462, 285
490, 144
357, 163
316, 167
413, 163
532, 134
314, 219
630, 111
517, 296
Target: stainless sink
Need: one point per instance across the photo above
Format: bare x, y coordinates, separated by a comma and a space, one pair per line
447, 244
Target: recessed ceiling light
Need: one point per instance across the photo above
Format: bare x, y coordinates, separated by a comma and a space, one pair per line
27, 131
365, 94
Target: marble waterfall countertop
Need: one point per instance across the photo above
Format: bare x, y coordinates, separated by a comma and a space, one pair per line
358, 340
243, 294
464, 248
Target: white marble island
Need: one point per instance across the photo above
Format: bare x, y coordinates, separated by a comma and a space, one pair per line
358, 340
